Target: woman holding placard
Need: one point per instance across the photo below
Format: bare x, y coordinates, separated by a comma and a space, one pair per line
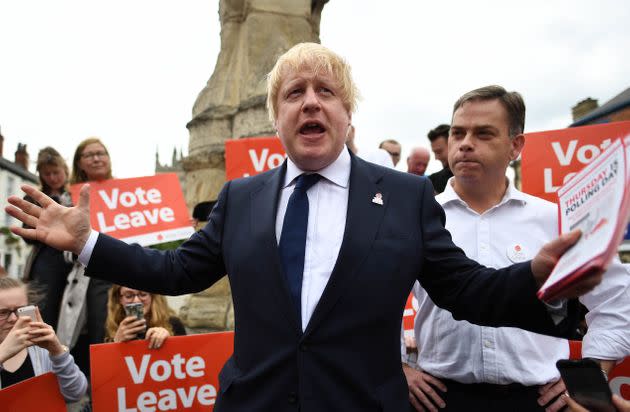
30, 347
156, 317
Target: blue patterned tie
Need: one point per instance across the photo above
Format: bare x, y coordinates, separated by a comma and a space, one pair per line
293, 237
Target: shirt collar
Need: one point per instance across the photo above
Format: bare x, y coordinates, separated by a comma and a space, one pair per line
338, 172
511, 194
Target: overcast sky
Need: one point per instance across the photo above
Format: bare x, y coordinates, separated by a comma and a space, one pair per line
129, 71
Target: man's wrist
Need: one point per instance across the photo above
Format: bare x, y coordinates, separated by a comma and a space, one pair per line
85, 253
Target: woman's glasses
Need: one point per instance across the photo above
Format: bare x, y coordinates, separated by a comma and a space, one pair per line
129, 296
90, 155
5, 313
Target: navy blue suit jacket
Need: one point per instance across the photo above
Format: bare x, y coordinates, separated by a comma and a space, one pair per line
348, 358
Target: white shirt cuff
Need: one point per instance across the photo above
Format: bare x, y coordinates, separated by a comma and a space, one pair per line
86, 253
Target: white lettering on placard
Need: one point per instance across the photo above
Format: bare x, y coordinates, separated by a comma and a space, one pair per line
564, 158
548, 180
123, 221
585, 154
272, 161
103, 228
130, 199
155, 371
146, 400
122, 401
194, 368
137, 375
275, 160
168, 399
258, 163
206, 395
617, 383
161, 370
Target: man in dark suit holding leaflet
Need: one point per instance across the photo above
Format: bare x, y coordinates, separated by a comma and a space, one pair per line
304, 338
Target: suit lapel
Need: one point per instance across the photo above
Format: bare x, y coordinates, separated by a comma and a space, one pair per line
362, 221
263, 209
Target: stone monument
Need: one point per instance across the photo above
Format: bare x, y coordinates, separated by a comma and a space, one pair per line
254, 33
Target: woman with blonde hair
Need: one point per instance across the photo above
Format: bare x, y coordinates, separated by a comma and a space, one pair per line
46, 267
159, 319
91, 162
84, 305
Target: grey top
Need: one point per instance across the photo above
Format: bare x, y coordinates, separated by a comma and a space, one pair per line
72, 382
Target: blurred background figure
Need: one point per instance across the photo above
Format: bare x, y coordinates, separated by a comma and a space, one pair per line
439, 146
159, 320
30, 348
392, 147
378, 156
201, 212
47, 267
418, 160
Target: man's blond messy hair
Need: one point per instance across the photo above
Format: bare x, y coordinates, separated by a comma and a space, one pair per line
318, 59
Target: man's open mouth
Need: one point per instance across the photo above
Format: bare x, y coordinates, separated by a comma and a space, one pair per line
312, 128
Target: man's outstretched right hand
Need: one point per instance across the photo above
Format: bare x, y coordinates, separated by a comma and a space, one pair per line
64, 228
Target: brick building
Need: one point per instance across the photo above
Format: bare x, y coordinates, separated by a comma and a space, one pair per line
616, 109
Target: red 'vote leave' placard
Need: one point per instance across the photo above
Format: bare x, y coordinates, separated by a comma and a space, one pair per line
181, 375
145, 210
40, 393
551, 158
251, 156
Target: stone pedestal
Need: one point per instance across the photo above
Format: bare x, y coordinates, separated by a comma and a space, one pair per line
254, 33
210, 310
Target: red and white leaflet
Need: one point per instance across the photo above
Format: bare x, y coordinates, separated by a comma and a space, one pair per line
596, 202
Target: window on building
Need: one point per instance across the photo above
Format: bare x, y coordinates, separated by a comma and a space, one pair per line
7, 262
10, 191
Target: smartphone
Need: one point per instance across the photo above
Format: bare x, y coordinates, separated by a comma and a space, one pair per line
135, 309
28, 311
586, 384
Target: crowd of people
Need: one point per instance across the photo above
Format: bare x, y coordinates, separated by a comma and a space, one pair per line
334, 232
73, 310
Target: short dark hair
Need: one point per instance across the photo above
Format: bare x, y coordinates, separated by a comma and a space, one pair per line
202, 210
392, 141
440, 131
511, 101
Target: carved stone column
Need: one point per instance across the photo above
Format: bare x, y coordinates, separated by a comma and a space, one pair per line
254, 33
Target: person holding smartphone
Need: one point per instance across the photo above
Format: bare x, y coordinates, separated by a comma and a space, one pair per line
29, 347
124, 323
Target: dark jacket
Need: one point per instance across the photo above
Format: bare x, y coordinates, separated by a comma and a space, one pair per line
348, 358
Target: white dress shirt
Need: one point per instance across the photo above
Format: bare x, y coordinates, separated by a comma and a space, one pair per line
513, 231
328, 206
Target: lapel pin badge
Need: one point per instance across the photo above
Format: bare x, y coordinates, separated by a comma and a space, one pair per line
378, 199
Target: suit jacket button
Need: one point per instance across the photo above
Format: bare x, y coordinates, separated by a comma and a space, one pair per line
304, 347
292, 397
